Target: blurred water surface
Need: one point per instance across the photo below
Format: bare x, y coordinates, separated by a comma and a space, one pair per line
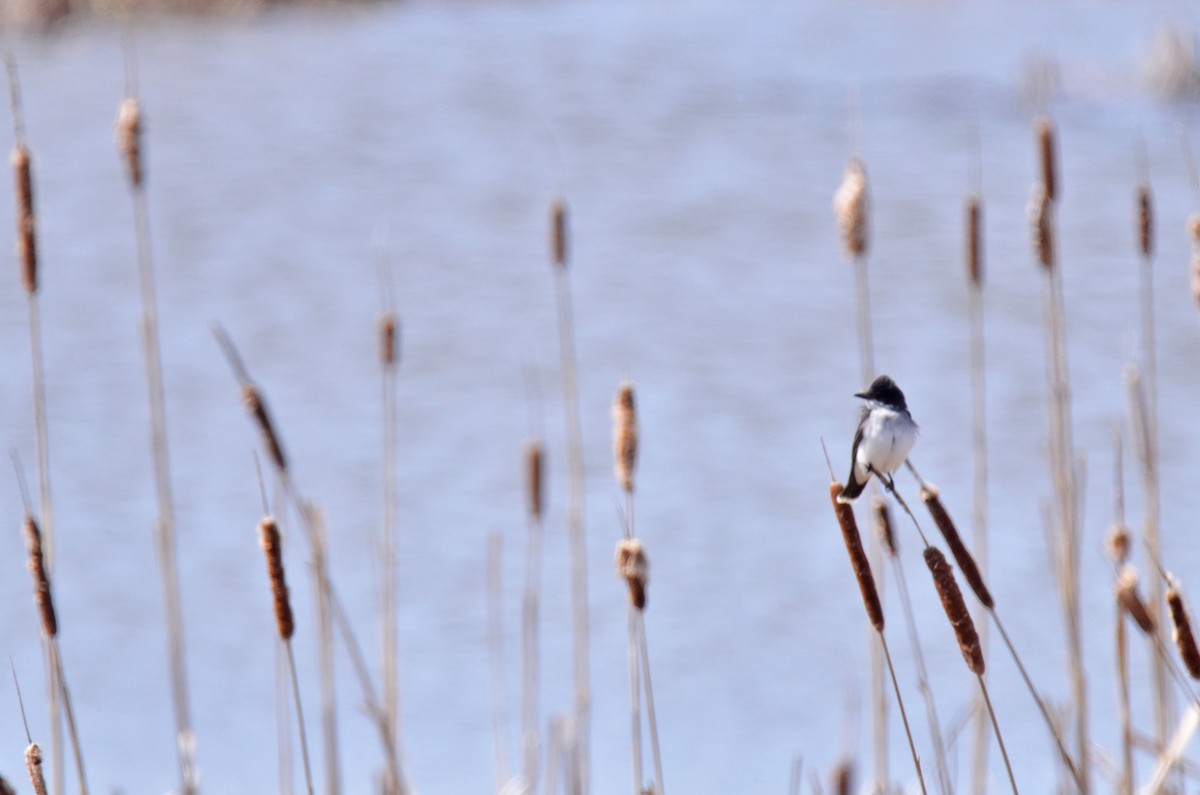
699, 145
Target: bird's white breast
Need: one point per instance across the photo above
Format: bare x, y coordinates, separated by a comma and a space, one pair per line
888, 437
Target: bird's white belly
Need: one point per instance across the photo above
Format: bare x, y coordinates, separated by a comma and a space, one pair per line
887, 440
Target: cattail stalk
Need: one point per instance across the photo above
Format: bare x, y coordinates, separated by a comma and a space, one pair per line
388, 540
1185, 640
575, 513
500, 739
325, 658
33, 762
531, 652
285, 625
129, 133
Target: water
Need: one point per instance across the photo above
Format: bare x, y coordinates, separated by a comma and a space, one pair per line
699, 146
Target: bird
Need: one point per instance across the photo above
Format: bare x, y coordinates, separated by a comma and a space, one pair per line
886, 433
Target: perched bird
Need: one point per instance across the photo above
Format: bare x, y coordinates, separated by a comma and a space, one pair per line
886, 433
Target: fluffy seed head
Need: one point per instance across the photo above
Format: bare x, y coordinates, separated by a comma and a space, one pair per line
858, 558
850, 208
625, 435
26, 223
129, 139
956, 609
633, 567
268, 539
1131, 602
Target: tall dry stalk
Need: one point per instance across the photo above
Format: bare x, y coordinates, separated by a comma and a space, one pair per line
581, 729
129, 134
389, 360
1118, 546
325, 664
530, 624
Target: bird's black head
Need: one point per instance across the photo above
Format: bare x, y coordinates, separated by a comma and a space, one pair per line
884, 390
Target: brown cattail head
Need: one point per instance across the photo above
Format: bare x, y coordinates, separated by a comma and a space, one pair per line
6, 788
625, 435
843, 778
1118, 544
956, 609
1184, 638
1131, 602
850, 208
883, 525
634, 568
129, 139
388, 348
1042, 226
258, 409
535, 478
268, 538
975, 241
1047, 157
966, 563
26, 223
558, 232
1145, 221
41, 582
858, 558
33, 761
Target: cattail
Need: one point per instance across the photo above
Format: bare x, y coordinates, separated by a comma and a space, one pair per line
6, 788
858, 558
41, 583
1194, 233
26, 225
534, 477
883, 525
975, 241
843, 778
558, 232
1045, 135
966, 563
1184, 638
634, 568
1131, 602
850, 208
387, 339
1118, 544
258, 409
33, 761
1145, 221
1041, 226
956, 609
268, 538
625, 436
129, 138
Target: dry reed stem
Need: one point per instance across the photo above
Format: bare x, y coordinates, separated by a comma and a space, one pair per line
129, 139
975, 241
850, 208
987, 700
268, 539
325, 658
257, 407
625, 436
966, 563
1145, 221
883, 526
1044, 129
635, 707
26, 220
1185, 641
495, 644
389, 356
1131, 602
42, 596
33, 762
956, 609
1122, 653
858, 557
651, 713
634, 568
534, 483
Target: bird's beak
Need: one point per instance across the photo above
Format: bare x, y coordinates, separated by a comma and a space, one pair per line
862, 395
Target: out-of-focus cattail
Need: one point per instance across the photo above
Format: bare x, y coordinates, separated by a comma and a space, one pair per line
6, 788
850, 208
388, 348
26, 222
633, 567
1118, 544
1193, 228
258, 409
1131, 602
1046, 156
843, 778
1041, 226
966, 563
33, 761
268, 538
558, 232
1184, 638
41, 582
858, 558
625, 435
1145, 221
534, 478
956, 609
883, 525
975, 241
129, 139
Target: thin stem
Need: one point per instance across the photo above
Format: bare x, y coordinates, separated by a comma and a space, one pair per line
325, 659
69, 713
1122, 644
500, 741
903, 716
291, 658
979, 514
996, 727
651, 714
635, 701
531, 654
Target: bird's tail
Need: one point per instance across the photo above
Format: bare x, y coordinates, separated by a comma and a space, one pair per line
853, 486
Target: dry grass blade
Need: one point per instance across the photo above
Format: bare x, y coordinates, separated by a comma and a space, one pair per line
858, 557
966, 563
956, 609
1184, 639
